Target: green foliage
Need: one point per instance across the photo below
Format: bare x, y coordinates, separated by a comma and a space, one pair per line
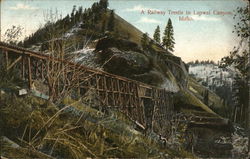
168, 38
157, 36
104, 4
145, 41
242, 26
196, 62
9, 78
73, 11
79, 13
103, 25
111, 21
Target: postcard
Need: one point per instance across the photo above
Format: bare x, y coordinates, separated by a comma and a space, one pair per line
124, 79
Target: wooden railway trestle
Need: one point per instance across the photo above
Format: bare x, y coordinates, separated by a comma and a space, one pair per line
148, 105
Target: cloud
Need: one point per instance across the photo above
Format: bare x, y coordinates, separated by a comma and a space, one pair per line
138, 8
148, 20
204, 18
21, 6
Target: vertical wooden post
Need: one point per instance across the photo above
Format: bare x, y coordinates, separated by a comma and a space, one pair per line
106, 90
130, 94
140, 108
154, 108
6, 58
235, 113
127, 97
42, 69
23, 67
97, 80
112, 89
29, 73
130, 103
36, 70
119, 93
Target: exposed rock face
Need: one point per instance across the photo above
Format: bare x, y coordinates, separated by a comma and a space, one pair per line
122, 44
124, 62
125, 58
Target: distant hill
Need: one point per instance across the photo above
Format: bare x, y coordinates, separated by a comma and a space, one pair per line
217, 80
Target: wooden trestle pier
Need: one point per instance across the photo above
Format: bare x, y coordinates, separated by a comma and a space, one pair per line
143, 103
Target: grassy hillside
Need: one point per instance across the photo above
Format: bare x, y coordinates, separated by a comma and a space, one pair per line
125, 28
32, 127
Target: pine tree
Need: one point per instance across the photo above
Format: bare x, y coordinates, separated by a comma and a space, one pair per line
103, 26
104, 4
144, 41
73, 15
73, 11
157, 35
80, 11
111, 22
66, 21
168, 38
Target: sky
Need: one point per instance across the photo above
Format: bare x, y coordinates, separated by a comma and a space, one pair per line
204, 37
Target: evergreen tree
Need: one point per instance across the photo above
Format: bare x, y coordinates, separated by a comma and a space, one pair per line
104, 4
80, 11
168, 38
144, 41
111, 22
103, 25
157, 36
84, 15
73, 15
73, 11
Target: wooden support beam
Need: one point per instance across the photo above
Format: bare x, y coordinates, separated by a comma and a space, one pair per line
140, 107
119, 94
112, 89
42, 69
13, 63
106, 88
129, 96
23, 66
29, 73
36, 69
97, 79
6, 58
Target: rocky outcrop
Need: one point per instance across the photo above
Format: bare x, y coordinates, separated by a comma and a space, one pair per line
122, 44
126, 58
